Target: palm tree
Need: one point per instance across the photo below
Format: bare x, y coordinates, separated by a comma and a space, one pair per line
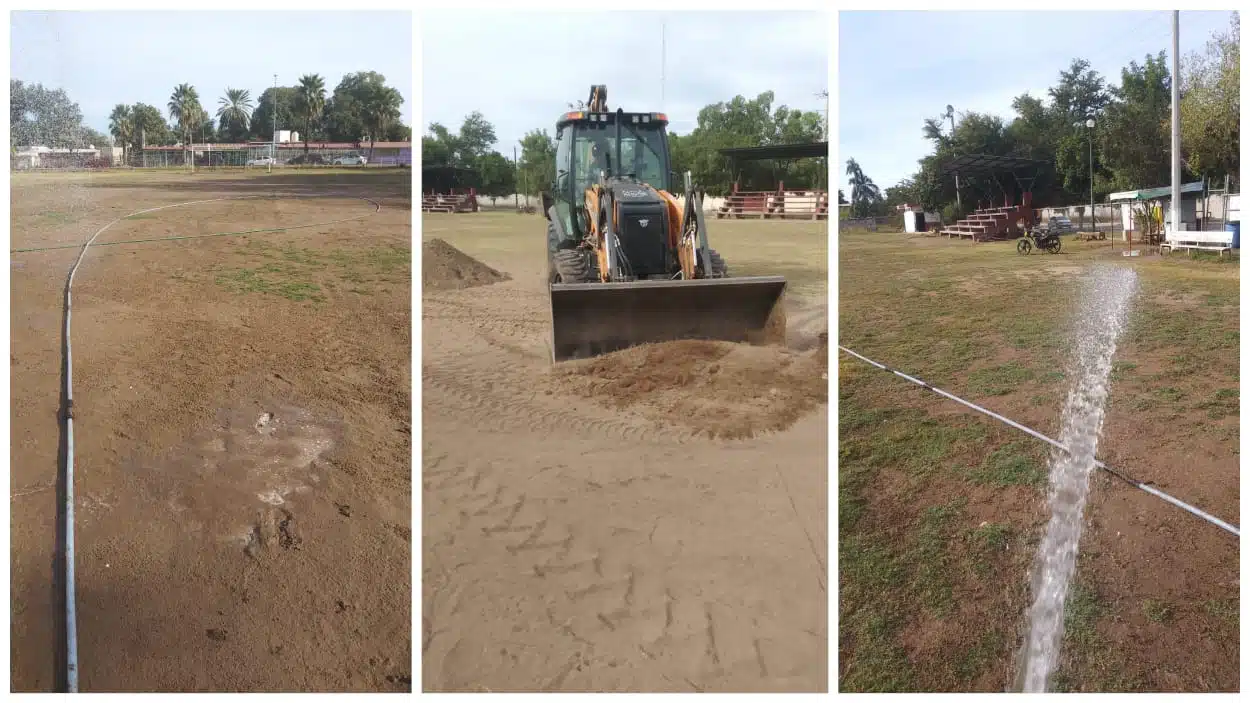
234, 110
380, 108
864, 193
310, 101
185, 111
122, 126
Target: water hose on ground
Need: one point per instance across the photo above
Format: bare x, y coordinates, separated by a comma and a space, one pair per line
1038, 435
71, 622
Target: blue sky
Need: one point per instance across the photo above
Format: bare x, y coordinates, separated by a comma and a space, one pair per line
105, 58
897, 68
526, 67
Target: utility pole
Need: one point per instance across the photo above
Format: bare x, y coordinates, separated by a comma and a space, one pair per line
1093, 218
273, 150
825, 94
950, 112
1176, 121
516, 168
663, 61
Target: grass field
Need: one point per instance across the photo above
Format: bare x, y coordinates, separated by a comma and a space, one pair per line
940, 509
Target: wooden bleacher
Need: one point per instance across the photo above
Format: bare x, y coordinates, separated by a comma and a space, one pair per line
779, 204
990, 224
452, 202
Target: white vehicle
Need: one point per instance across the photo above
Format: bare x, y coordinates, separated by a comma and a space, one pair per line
350, 160
262, 161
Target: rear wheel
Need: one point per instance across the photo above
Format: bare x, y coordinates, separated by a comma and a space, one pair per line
570, 266
719, 268
1054, 245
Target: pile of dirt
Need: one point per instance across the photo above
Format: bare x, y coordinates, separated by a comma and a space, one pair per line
444, 267
717, 389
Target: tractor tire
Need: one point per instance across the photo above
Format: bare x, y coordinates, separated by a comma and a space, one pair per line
570, 266
720, 269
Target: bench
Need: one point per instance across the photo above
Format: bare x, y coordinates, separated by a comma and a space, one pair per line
1221, 242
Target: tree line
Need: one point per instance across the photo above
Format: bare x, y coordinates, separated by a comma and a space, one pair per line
739, 122
361, 108
1131, 136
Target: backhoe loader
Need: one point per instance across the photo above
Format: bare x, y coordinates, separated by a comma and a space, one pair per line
628, 262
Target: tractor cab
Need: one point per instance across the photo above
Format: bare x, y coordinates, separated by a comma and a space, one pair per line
619, 146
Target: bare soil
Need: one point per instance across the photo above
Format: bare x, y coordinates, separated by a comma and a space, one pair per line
580, 529
717, 389
444, 267
242, 434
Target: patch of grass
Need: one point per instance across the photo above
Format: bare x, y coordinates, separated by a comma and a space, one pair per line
61, 216
1228, 612
303, 274
256, 281
973, 661
879, 664
1156, 610
871, 568
1224, 403
1080, 616
1121, 369
1169, 394
1014, 464
932, 558
999, 380
987, 541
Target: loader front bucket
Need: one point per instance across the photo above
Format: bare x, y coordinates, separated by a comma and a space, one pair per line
588, 319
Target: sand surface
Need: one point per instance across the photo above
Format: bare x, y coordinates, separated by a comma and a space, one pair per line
650, 520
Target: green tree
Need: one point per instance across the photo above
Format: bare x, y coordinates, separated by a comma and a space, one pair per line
537, 165
122, 126
439, 147
150, 127
865, 195
379, 109
1211, 106
398, 132
234, 113
475, 139
285, 100
310, 102
1132, 126
344, 115
90, 137
186, 112
497, 175
39, 116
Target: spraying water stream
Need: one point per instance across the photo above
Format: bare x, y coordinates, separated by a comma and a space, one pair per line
1104, 310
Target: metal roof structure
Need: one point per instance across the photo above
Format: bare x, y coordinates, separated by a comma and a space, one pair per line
778, 151
1154, 193
988, 164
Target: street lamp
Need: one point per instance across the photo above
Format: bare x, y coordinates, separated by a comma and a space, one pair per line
1089, 125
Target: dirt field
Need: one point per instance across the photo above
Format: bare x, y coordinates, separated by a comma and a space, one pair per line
581, 530
941, 509
242, 433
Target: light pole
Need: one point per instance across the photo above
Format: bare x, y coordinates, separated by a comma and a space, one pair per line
1089, 126
273, 150
950, 114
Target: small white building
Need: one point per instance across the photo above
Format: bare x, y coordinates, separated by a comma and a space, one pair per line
915, 219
